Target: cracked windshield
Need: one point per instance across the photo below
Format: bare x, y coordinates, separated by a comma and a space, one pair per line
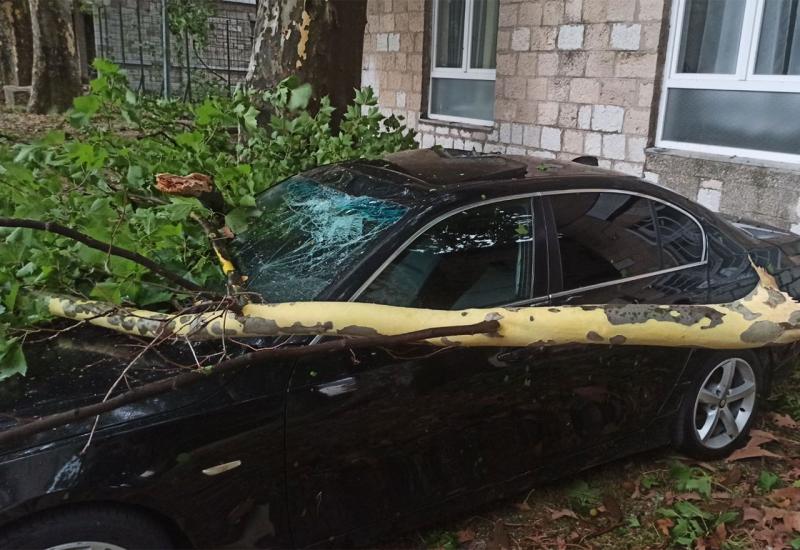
307, 233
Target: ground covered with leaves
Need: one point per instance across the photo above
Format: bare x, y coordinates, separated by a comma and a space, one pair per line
657, 500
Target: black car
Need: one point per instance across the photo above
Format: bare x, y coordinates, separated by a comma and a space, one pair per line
341, 449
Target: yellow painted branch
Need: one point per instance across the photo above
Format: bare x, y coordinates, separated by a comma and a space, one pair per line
765, 316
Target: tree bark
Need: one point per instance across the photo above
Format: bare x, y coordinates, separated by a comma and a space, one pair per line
319, 41
763, 317
56, 77
16, 46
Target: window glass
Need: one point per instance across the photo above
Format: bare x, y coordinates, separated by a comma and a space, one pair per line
710, 36
312, 230
604, 236
450, 33
484, 34
481, 257
751, 120
779, 41
463, 98
681, 237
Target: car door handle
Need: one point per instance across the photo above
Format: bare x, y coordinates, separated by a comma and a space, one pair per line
513, 356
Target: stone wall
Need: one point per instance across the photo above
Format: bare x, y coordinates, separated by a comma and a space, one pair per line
574, 77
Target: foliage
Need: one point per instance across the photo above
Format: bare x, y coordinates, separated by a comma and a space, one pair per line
767, 481
691, 479
582, 496
190, 17
98, 179
691, 523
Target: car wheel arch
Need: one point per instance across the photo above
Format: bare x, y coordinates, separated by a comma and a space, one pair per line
171, 527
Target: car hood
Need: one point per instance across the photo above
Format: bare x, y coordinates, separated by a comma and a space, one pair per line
77, 366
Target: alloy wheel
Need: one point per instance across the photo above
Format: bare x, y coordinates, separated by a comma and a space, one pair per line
725, 403
86, 545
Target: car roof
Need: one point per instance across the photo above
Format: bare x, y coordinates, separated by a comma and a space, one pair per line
446, 167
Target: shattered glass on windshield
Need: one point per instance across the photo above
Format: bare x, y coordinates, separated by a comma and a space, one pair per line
309, 234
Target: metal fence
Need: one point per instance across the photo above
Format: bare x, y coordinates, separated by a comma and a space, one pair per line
129, 32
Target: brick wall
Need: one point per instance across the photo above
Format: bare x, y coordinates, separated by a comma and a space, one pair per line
574, 77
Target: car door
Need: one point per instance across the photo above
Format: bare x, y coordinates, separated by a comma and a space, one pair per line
616, 247
391, 437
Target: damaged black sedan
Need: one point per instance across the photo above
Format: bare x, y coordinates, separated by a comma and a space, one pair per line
344, 448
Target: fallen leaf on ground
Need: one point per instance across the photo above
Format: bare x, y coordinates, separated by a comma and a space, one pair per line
792, 493
792, 521
465, 535
751, 452
664, 525
563, 513
761, 434
733, 476
752, 514
783, 420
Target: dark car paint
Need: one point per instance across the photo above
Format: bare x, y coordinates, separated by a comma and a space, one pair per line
344, 449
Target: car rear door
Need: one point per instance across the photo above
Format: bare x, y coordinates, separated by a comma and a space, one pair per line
617, 247
389, 438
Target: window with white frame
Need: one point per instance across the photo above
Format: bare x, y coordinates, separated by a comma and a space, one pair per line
732, 81
464, 60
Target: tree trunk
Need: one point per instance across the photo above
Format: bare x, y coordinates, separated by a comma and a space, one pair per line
56, 77
16, 47
319, 41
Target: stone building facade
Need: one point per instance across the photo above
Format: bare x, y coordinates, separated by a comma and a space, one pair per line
614, 79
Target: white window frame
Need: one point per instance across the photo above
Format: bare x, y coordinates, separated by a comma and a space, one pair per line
744, 79
462, 73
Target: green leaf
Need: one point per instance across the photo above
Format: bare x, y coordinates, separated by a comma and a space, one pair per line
87, 104
300, 97
107, 292
767, 480
12, 359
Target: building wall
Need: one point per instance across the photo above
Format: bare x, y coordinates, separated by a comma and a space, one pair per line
574, 77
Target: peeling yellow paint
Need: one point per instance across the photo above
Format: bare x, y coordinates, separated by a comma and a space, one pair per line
302, 43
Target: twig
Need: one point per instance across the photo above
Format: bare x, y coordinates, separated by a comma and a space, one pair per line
165, 385
58, 229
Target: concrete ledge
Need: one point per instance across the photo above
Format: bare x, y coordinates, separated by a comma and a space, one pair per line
740, 161
456, 125
764, 191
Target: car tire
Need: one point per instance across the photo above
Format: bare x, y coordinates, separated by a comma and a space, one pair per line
719, 407
87, 528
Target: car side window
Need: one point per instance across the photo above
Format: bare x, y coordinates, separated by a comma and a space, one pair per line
480, 257
681, 237
604, 236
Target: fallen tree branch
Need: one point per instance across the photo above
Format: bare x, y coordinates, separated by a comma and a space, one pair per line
165, 385
64, 231
764, 317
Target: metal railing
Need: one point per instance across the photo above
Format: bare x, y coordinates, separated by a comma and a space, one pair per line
131, 36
